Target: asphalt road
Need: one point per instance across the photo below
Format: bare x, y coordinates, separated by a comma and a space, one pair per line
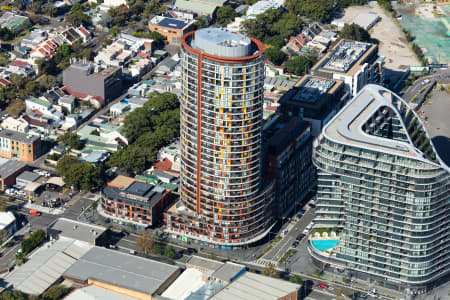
277, 252
34, 223
419, 84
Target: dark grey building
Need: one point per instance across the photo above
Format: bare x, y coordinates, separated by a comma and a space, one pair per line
83, 79
287, 161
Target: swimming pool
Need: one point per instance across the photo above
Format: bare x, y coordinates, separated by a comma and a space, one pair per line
323, 245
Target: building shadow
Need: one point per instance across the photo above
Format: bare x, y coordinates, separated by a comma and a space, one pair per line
442, 144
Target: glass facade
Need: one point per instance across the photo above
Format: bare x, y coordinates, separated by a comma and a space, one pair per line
392, 210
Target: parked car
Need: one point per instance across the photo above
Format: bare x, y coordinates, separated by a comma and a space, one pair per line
300, 236
34, 212
361, 295
322, 285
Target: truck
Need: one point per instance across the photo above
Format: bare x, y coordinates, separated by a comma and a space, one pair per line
34, 212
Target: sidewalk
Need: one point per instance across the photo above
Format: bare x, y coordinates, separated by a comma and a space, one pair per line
358, 284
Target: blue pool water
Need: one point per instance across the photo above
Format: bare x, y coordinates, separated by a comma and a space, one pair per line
323, 245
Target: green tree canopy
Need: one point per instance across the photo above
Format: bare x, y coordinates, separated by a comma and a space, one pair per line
276, 41
147, 129
34, 240
6, 34
55, 292
170, 252
154, 7
317, 10
12, 295
71, 139
158, 39
296, 279
81, 175
300, 65
77, 17
273, 23
225, 15
200, 22
354, 32
276, 56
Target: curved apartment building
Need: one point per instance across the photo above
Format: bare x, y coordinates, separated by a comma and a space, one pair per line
221, 121
383, 188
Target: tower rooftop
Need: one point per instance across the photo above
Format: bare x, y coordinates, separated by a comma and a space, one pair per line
222, 42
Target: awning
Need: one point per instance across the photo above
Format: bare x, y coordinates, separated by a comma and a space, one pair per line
56, 181
32, 187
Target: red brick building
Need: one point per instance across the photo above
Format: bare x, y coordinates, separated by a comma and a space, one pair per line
134, 201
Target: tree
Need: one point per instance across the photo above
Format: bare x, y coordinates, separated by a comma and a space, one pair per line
276, 56
354, 32
71, 139
77, 17
170, 252
154, 7
114, 31
6, 34
55, 292
317, 10
12, 295
137, 7
47, 81
16, 107
158, 39
276, 41
145, 242
157, 249
270, 270
300, 65
225, 15
288, 25
119, 15
34, 240
201, 22
80, 175
273, 23
147, 129
49, 9
296, 279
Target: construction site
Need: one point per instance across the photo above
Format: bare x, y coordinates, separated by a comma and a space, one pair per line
429, 23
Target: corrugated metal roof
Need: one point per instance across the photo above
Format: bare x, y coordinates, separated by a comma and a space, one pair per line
45, 266
120, 269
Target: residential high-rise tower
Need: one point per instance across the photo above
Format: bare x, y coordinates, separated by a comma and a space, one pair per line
384, 192
222, 194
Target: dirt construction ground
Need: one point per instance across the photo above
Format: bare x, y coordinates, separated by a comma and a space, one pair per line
393, 44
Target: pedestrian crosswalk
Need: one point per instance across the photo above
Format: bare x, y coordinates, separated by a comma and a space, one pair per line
263, 262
